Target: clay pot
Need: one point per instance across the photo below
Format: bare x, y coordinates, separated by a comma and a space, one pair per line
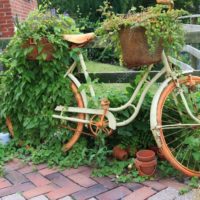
47, 49
158, 152
146, 162
120, 153
145, 155
146, 168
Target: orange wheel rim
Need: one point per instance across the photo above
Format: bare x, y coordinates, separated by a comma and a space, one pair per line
165, 149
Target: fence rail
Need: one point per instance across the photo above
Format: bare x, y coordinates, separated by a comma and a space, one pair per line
121, 77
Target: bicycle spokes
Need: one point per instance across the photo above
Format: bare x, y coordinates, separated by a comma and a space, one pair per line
180, 131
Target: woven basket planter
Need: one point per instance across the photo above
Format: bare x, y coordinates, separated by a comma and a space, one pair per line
135, 49
47, 48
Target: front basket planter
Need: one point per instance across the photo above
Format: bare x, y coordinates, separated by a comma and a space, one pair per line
47, 49
135, 48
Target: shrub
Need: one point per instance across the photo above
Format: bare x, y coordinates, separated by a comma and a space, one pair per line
30, 90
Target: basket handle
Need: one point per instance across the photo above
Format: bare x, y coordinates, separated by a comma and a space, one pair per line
170, 3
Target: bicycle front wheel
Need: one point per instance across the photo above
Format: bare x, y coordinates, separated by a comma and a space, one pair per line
179, 133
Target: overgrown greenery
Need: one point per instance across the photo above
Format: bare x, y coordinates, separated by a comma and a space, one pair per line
30, 90
161, 27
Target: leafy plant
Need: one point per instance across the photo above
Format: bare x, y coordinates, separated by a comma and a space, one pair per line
99, 152
120, 170
161, 27
30, 90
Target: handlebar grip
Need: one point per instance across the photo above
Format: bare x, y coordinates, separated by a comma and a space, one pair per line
170, 3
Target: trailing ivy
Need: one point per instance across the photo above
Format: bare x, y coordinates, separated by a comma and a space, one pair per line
30, 90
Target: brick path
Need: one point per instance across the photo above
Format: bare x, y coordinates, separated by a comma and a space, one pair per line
23, 181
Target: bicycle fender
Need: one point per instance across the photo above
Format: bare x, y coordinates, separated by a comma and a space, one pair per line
153, 112
82, 92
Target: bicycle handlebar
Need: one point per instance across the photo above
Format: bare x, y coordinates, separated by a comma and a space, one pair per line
170, 3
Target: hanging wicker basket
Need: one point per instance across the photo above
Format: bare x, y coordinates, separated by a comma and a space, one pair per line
47, 48
135, 49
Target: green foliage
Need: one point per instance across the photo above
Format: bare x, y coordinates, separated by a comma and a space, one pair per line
30, 90
121, 171
52, 154
166, 170
194, 182
120, 6
162, 27
99, 152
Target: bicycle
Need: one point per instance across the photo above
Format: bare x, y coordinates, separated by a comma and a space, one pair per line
174, 113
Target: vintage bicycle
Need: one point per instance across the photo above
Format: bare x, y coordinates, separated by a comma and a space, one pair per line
174, 115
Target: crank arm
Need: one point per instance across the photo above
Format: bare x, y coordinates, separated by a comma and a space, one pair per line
109, 115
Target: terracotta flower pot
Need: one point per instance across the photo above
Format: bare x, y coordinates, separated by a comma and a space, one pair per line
47, 48
146, 168
145, 155
158, 152
120, 153
146, 162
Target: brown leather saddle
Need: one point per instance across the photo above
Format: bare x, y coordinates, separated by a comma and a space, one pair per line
79, 40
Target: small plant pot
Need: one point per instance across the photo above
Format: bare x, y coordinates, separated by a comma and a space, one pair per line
120, 153
158, 152
47, 48
145, 155
146, 168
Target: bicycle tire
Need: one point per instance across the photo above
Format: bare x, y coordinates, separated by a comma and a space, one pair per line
174, 154
79, 126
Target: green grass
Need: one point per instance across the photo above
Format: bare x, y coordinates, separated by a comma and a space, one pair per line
102, 67
103, 89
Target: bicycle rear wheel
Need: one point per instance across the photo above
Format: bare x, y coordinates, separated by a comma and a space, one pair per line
71, 131
179, 133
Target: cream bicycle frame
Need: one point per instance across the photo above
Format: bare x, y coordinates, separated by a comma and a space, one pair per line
112, 120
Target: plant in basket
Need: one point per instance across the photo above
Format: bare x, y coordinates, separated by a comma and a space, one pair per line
39, 33
140, 37
31, 89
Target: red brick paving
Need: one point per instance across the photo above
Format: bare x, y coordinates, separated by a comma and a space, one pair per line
106, 182
155, 185
64, 191
82, 180
89, 192
114, 194
5, 183
140, 194
16, 177
72, 171
38, 179
38, 191
41, 183
16, 189
26, 169
172, 183
47, 171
